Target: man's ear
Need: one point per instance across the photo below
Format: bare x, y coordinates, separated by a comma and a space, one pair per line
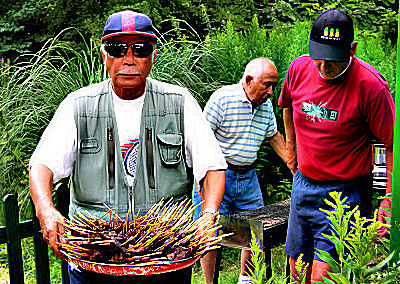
353, 48
248, 79
103, 52
153, 57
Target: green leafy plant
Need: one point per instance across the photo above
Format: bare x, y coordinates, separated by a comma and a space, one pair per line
355, 238
301, 269
257, 266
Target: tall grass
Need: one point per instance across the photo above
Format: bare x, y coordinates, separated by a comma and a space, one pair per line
35, 87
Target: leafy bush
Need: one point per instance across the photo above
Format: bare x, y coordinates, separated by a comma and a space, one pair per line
355, 239
357, 244
228, 51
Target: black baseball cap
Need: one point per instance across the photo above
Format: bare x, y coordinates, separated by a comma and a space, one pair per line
331, 36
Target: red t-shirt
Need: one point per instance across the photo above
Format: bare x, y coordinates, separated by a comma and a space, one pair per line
335, 120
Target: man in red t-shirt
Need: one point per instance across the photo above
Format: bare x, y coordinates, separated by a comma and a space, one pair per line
334, 104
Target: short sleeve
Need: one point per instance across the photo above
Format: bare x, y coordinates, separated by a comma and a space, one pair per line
285, 99
380, 116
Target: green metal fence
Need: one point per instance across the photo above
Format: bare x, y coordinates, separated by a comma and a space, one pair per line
14, 232
395, 220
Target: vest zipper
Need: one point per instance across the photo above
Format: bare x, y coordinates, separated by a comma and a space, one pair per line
132, 203
111, 158
150, 157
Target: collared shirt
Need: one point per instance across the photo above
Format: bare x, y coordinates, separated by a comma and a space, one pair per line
238, 128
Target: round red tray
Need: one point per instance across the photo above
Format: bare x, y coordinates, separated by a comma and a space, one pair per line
134, 269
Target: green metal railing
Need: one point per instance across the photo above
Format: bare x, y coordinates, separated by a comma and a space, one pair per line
395, 218
14, 232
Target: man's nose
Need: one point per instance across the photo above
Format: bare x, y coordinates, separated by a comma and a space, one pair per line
129, 56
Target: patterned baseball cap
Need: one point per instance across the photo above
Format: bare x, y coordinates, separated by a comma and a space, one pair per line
331, 36
129, 23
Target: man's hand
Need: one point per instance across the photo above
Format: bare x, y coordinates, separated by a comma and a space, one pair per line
208, 217
382, 213
51, 222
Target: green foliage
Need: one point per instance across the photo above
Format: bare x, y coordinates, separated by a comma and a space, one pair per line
26, 25
355, 239
370, 16
301, 269
19, 26
28, 257
28, 100
3, 254
257, 266
178, 62
380, 54
230, 50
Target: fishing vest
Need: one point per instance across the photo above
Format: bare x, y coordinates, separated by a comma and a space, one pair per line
99, 178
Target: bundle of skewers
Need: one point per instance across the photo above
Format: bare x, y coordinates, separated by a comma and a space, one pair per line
166, 233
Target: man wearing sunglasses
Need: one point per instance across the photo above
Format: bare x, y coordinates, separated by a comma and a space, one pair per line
128, 142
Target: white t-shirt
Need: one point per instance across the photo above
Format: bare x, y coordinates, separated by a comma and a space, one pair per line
57, 147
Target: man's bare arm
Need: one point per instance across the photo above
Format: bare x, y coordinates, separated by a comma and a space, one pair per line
41, 185
278, 144
290, 139
213, 190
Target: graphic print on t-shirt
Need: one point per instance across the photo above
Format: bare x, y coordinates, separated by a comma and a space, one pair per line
316, 113
129, 154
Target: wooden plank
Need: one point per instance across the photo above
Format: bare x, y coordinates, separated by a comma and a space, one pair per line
26, 230
62, 202
14, 250
41, 251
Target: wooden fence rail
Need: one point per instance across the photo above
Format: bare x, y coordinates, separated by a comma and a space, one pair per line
14, 232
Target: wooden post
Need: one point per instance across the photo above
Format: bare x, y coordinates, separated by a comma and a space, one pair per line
62, 204
14, 250
41, 251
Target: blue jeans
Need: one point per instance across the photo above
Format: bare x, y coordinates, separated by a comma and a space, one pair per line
307, 223
79, 275
242, 193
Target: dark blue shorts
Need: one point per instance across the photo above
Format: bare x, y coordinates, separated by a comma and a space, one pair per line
307, 222
242, 193
79, 275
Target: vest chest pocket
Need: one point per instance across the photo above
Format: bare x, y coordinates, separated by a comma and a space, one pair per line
170, 147
90, 145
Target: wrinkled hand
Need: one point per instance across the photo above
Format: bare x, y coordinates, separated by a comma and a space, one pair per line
382, 213
208, 221
51, 222
206, 217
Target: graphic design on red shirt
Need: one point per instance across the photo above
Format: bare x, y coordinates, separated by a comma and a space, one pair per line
315, 113
129, 154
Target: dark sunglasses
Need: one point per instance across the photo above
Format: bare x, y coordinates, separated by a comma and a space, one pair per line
120, 49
